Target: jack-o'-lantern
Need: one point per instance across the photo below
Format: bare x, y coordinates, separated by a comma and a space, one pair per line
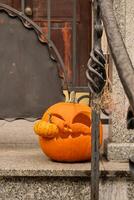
66, 135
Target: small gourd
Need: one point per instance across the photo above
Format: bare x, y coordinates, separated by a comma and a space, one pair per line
46, 129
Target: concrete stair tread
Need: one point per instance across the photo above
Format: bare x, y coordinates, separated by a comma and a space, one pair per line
32, 162
20, 155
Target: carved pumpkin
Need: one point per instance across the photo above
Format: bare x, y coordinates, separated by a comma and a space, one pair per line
71, 140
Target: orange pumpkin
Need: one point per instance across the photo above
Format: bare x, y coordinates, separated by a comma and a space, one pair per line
72, 141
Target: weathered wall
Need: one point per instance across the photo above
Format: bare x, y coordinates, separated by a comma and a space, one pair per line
121, 144
63, 188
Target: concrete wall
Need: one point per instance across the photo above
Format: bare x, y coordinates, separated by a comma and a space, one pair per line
121, 144
48, 188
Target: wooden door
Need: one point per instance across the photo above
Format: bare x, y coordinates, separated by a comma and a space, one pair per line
61, 30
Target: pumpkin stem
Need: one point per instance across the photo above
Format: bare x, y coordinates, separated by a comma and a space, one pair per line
73, 97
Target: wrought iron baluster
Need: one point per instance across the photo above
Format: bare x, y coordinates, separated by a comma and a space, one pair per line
96, 76
95, 156
96, 73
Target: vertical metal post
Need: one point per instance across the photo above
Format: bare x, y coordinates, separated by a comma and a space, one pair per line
95, 127
74, 41
96, 75
23, 6
49, 18
95, 155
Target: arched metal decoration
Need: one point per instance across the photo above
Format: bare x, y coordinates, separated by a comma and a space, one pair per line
29, 65
96, 75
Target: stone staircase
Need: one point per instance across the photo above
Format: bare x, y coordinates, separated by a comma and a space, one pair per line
27, 174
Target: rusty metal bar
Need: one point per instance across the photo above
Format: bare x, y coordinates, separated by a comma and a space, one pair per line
23, 6
95, 156
49, 18
74, 42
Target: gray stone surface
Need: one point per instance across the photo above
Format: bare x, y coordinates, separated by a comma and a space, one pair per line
17, 133
119, 132
20, 145
32, 162
124, 11
44, 189
131, 190
119, 7
114, 189
49, 188
130, 28
27, 174
119, 151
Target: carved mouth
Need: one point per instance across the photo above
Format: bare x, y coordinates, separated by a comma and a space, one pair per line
67, 149
73, 131
69, 136
65, 137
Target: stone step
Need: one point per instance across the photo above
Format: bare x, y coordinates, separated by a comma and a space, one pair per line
16, 161
26, 173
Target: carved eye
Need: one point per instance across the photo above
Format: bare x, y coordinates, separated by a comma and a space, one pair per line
83, 118
81, 124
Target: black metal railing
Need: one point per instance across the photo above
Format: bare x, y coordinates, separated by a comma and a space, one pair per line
103, 10
96, 75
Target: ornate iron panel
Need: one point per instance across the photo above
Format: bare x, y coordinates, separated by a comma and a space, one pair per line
29, 78
96, 75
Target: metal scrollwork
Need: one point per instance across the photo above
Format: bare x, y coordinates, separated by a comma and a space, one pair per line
96, 73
